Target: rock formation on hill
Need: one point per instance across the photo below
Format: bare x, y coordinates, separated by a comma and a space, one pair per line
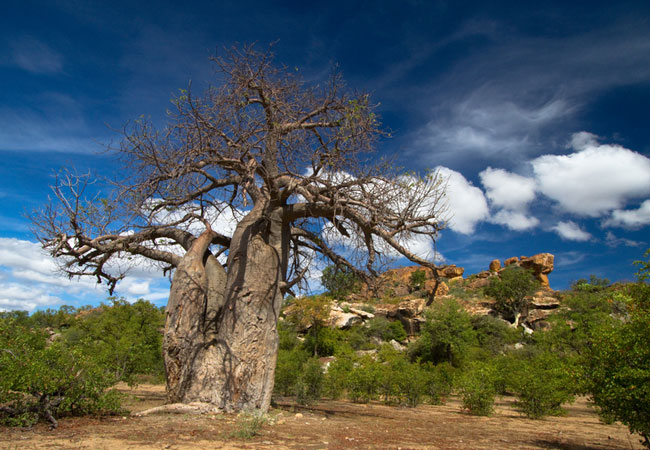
399, 299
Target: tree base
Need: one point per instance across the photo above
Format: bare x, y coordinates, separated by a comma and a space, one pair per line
197, 408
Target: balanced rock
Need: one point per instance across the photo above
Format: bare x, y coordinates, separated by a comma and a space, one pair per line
451, 272
541, 265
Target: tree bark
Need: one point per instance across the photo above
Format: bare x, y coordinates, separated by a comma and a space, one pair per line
221, 341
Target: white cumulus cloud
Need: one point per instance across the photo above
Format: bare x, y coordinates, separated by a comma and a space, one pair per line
514, 220
571, 231
595, 179
467, 204
506, 189
633, 218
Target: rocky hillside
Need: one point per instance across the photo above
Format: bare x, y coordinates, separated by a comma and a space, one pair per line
398, 299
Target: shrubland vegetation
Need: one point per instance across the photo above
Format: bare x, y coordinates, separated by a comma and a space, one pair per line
62, 362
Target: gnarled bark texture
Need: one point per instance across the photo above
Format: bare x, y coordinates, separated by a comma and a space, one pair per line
221, 340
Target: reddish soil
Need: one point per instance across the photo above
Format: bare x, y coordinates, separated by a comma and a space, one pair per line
328, 425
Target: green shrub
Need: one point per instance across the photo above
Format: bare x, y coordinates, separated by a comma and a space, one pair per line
542, 385
122, 337
417, 280
477, 390
309, 385
336, 378
439, 382
288, 369
364, 380
385, 329
493, 334
47, 380
617, 367
249, 424
447, 335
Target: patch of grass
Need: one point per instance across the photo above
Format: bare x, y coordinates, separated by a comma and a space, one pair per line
249, 424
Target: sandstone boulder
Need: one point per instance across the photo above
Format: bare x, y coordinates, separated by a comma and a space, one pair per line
541, 265
341, 319
430, 285
451, 272
511, 261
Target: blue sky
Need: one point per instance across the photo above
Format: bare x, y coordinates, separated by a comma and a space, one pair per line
538, 115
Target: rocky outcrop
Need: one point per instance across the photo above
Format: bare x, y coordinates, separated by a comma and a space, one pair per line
451, 272
541, 265
409, 312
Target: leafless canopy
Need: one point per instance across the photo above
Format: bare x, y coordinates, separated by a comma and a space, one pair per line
259, 137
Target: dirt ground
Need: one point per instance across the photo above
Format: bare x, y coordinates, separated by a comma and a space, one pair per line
328, 425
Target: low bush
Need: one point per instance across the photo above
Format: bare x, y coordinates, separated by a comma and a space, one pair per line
477, 390
541, 383
309, 385
46, 380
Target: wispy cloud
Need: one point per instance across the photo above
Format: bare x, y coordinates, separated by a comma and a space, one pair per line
514, 98
35, 56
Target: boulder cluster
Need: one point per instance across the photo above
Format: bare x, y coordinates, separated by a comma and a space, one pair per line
400, 300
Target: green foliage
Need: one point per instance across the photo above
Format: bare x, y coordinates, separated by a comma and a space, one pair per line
493, 334
325, 341
617, 367
287, 335
385, 329
364, 380
417, 280
573, 327
336, 378
309, 385
288, 369
308, 312
477, 389
340, 281
542, 384
122, 337
593, 284
510, 290
42, 379
249, 424
446, 336
440, 382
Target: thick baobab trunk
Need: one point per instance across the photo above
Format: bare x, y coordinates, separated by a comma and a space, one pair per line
221, 340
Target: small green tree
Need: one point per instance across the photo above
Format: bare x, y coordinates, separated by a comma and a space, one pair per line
477, 389
417, 280
123, 337
511, 289
309, 385
617, 368
340, 281
446, 336
542, 384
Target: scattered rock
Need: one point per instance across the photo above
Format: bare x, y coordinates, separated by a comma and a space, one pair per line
397, 346
340, 319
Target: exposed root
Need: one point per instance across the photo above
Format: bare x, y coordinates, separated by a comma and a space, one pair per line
182, 408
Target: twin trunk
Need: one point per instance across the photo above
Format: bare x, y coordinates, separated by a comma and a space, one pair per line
221, 341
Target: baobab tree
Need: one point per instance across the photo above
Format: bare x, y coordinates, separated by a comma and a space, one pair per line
290, 167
